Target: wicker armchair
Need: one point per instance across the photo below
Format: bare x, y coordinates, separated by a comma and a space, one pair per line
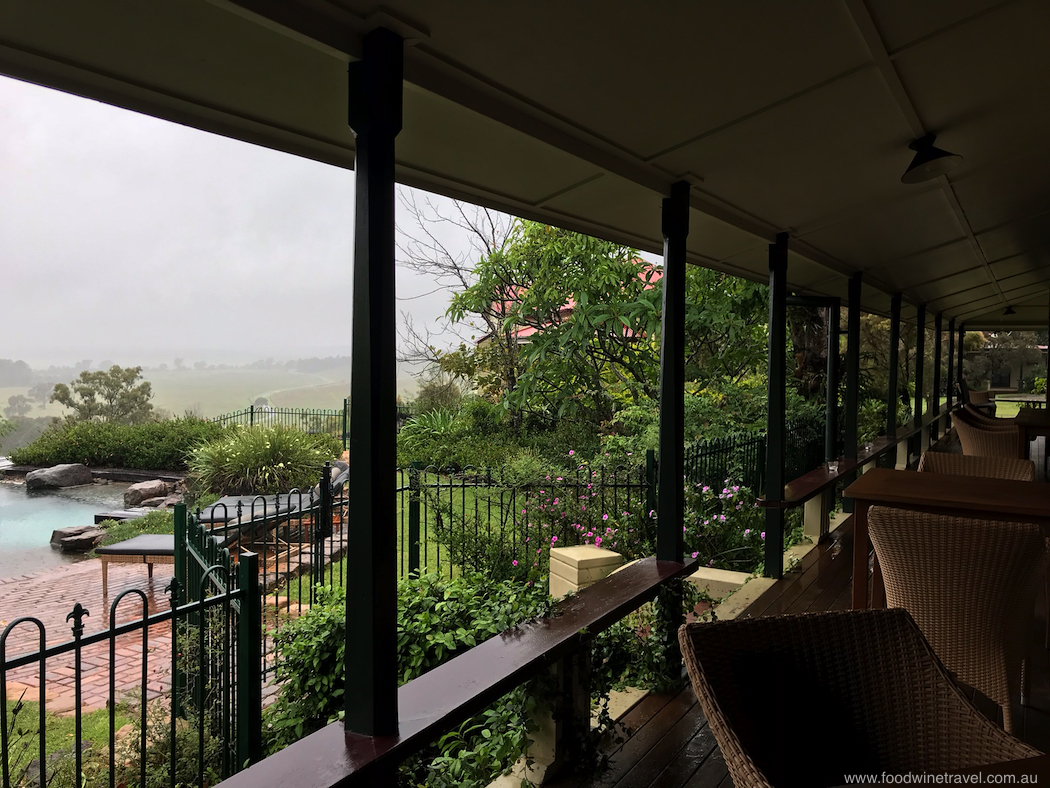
984, 441
983, 417
970, 585
884, 701
989, 467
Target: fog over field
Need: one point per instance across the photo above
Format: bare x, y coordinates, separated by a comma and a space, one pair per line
136, 240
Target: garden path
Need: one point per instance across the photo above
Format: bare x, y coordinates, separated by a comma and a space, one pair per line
50, 595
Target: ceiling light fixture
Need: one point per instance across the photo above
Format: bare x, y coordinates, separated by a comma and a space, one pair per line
1009, 311
930, 162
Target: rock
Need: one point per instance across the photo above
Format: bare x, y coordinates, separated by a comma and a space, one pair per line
137, 493
71, 475
79, 539
162, 502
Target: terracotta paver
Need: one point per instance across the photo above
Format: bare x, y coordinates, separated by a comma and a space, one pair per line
50, 596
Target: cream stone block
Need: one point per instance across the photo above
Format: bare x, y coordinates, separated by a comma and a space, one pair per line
574, 568
717, 582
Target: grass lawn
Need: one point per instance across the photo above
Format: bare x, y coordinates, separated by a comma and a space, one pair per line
59, 732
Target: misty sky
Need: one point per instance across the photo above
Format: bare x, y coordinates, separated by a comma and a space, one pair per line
130, 238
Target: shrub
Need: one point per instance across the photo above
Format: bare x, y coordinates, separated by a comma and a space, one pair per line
437, 619
159, 445
261, 460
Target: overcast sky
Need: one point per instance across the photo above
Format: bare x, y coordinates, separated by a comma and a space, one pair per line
134, 239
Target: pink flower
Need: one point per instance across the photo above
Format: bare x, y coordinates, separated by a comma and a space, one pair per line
597, 541
571, 452
605, 517
515, 562
555, 539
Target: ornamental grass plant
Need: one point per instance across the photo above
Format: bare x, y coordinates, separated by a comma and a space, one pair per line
261, 461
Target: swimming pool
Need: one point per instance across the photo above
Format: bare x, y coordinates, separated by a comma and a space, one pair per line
27, 519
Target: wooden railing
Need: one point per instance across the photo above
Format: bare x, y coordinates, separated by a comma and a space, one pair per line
451, 693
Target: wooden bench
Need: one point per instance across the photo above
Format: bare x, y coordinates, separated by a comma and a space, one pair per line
146, 549
438, 701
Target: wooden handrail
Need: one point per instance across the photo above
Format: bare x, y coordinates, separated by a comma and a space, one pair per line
452, 692
812, 484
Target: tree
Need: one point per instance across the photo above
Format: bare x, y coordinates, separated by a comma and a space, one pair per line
578, 323
41, 392
18, 407
111, 396
15, 373
1003, 352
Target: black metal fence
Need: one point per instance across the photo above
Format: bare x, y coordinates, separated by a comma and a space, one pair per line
334, 422
741, 457
193, 692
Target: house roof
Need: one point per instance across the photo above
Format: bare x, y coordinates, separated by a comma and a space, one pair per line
784, 116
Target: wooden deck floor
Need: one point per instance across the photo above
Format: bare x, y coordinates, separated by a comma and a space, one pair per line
668, 742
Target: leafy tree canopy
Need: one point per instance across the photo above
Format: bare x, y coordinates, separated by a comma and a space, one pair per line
18, 407
113, 396
578, 324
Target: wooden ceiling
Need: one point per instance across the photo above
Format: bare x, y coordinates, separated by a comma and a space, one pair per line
788, 116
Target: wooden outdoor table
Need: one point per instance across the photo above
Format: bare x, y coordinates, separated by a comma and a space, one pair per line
940, 493
1030, 423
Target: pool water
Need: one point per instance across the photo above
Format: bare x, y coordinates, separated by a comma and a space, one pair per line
27, 519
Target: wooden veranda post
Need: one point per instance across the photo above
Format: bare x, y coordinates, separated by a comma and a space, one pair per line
375, 84
776, 406
670, 502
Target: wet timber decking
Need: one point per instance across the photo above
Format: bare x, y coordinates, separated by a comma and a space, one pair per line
668, 743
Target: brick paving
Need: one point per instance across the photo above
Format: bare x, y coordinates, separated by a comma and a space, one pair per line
49, 596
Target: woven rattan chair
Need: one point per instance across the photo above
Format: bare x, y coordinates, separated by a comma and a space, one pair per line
881, 698
988, 467
983, 417
970, 585
984, 441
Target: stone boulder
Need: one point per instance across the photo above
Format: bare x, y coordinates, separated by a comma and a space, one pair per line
137, 493
162, 502
58, 476
78, 539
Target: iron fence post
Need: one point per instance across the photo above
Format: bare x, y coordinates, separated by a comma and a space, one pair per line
413, 517
249, 663
251, 416
650, 482
326, 502
180, 543
346, 420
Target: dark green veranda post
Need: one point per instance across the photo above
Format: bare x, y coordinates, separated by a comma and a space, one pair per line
949, 386
413, 516
892, 395
376, 84
249, 662
831, 385
670, 498
776, 406
959, 352
918, 403
938, 327
852, 400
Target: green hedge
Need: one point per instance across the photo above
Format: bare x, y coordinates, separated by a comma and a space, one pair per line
158, 445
